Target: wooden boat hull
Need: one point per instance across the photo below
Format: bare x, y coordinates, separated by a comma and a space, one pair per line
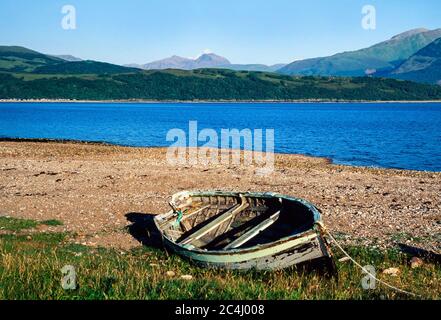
285, 252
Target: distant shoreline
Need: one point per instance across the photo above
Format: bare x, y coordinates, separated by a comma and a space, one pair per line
214, 101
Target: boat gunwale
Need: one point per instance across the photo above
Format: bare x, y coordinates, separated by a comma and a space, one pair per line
268, 195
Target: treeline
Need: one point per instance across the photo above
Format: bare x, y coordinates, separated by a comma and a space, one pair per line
212, 84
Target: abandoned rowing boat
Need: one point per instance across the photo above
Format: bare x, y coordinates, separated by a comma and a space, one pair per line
231, 230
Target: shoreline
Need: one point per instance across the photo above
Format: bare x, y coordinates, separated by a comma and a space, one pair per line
140, 101
109, 144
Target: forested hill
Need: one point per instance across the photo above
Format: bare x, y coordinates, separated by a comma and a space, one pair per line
207, 84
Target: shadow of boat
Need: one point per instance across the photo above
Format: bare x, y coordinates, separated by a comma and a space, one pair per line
144, 230
426, 255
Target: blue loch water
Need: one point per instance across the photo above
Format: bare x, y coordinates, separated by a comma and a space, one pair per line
402, 135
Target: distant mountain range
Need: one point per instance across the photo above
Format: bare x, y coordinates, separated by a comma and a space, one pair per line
381, 59
209, 60
385, 56
27, 74
413, 55
206, 60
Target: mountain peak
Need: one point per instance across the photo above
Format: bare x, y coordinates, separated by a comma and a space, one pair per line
382, 56
410, 33
208, 55
176, 57
206, 60
212, 60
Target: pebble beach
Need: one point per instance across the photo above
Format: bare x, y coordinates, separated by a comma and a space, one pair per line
91, 188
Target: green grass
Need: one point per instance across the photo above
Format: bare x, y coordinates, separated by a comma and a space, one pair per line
14, 224
30, 268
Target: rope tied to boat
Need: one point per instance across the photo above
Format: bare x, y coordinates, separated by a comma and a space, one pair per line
326, 232
179, 214
179, 218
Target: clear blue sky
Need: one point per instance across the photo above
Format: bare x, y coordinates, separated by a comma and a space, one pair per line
244, 31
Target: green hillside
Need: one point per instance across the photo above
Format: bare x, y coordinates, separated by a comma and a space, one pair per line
424, 66
22, 60
209, 84
19, 59
82, 67
383, 56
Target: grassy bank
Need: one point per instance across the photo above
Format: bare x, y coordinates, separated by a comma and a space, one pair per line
31, 263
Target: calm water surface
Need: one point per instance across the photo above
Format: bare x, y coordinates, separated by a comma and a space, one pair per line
404, 136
